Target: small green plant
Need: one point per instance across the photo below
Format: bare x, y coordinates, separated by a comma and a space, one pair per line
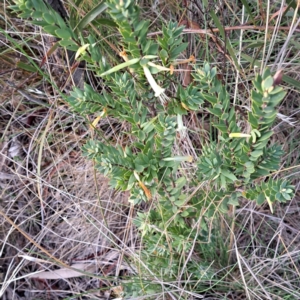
237, 162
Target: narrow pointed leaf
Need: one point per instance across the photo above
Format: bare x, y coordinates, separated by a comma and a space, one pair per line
121, 66
91, 15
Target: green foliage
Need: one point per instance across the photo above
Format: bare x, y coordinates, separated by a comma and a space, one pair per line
43, 15
171, 43
237, 162
142, 157
279, 190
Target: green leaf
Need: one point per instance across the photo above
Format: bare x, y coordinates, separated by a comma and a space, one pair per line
141, 135
276, 90
223, 181
136, 117
142, 33
39, 5
139, 168
266, 73
256, 97
179, 203
267, 83
252, 120
29, 5
63, 34
15, 8
148, 127
265, 136
132, 180
249, 10
286, 196
163, 54
139, 26
144, 62
185, 214
175, 191
26, 15
38, 15
104, 21
91, 15
212, 99
256, 153
175, 52
49, 18
152, 49
227, 41
222, 127
271, 115
26, 67
67, 43
51, 29
228, 174
277, 98
180, 182
215, 111
293, 82
260, 199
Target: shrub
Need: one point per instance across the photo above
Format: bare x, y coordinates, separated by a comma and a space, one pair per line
236, 162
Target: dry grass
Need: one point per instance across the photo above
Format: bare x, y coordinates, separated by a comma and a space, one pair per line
268, 246
57, 201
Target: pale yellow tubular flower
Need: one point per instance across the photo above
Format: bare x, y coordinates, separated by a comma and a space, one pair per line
181, 128
163, 98
159, 91
239, 135
160, 68
187, 158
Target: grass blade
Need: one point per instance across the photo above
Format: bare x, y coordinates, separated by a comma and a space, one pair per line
91, 15
228, 45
